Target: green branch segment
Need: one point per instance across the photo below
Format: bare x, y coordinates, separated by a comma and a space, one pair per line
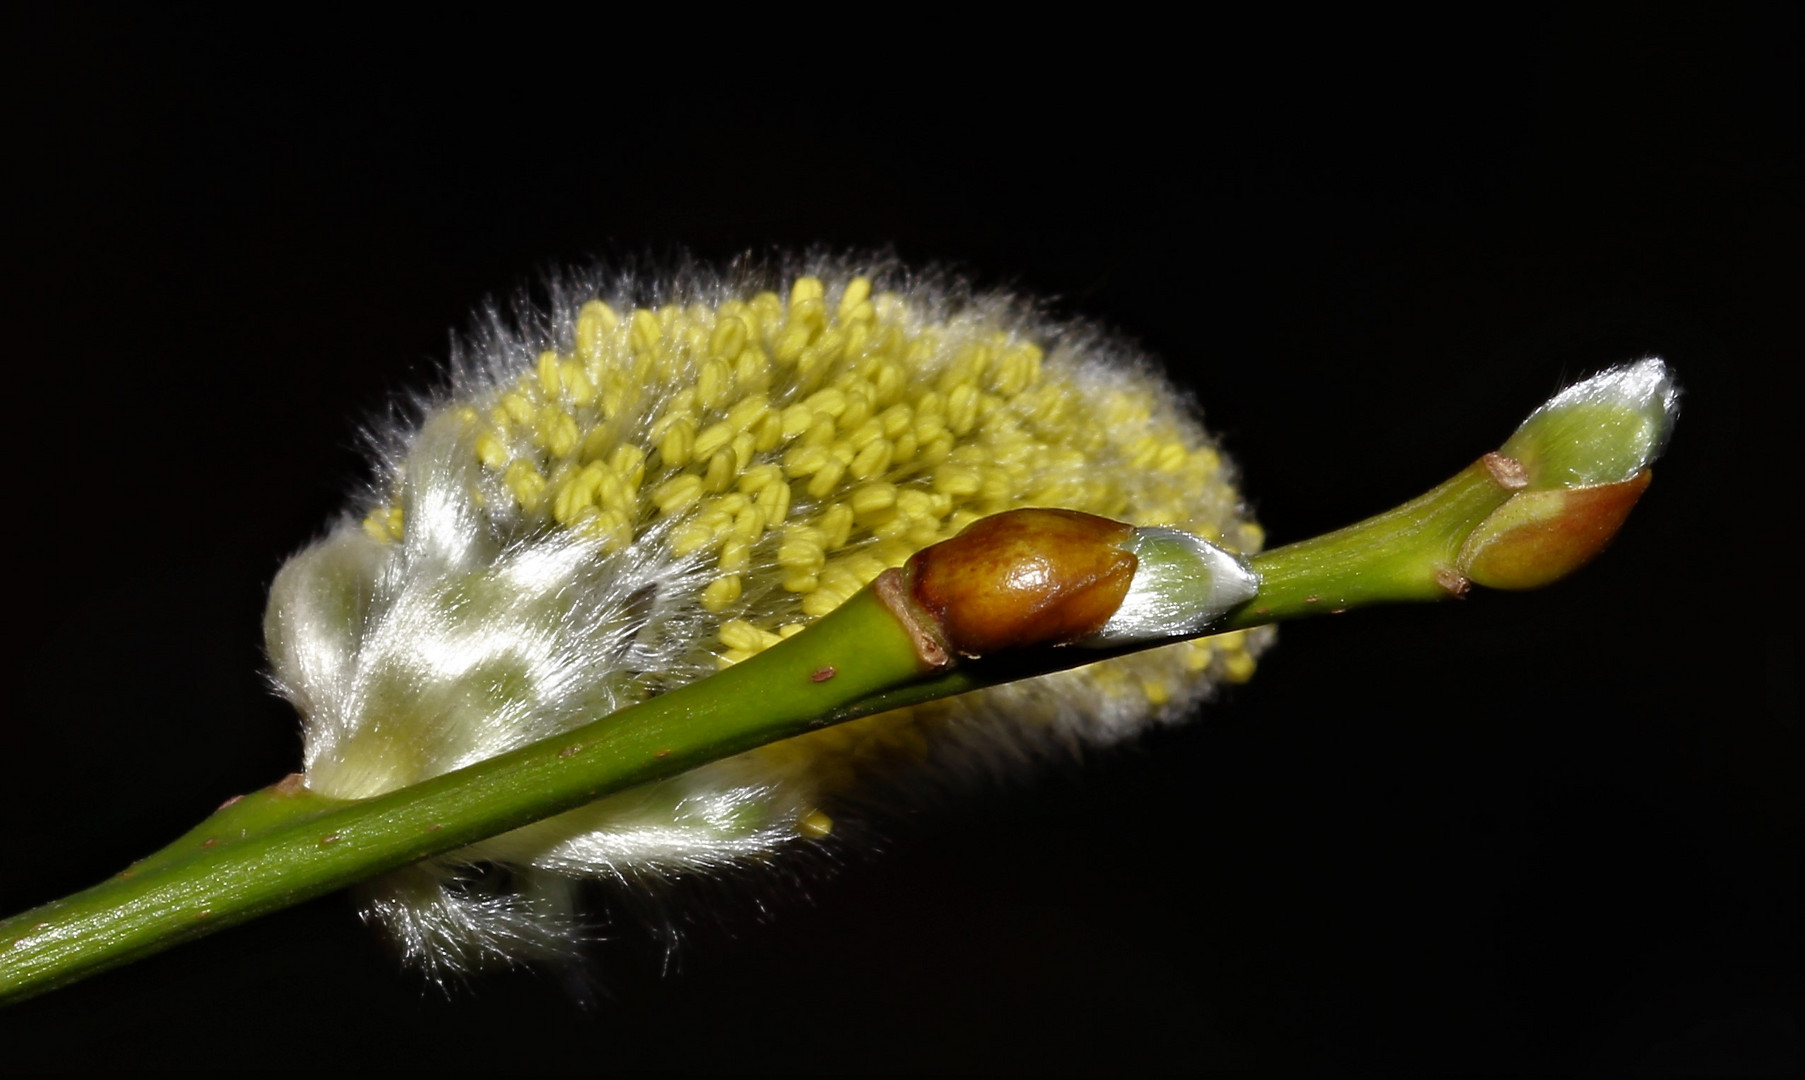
1017, 595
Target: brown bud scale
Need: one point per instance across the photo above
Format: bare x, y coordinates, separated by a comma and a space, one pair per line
1022, 578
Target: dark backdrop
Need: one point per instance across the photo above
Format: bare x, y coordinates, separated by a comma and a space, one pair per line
1549, 832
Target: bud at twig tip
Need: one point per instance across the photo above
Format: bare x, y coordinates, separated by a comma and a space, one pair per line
1603, 430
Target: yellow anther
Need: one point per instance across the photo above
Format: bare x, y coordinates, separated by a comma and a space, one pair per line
895, 420
870, 498
863, 568
767, 431
607, 489
809, 313
890, 525
925, 531
729, 337
678, 443
518, 408
736, 554
914, 502
721, 593
998, 490
549, 375
796, 420
527, 484
690, 537
887, 383
740, 634
836, 526
790, 343
831, 401
557, 432
827, 478
820, 432
742, 447
800, 461
491, 451
935, 450
871, 462
615, 393
748, 412
836, 578
628, 462
595, 321
749, 524
858, 410
712, 517
713, 383
712, 438
756, 478
577, 383
857, 291
720, 473
800, 552
774, 502
903, 449
805, 289
764, 312
820, 601
678, 493
826, 349
753, 367
644, 332
573, 497
957, 480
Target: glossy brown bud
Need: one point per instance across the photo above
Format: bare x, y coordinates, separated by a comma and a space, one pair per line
1022, 578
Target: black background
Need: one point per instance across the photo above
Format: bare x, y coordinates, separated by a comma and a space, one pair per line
1548, 832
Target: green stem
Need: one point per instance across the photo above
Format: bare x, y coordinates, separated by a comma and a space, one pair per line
284, 844
1410, 553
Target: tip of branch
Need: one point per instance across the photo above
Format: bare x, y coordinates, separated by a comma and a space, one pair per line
1603, 430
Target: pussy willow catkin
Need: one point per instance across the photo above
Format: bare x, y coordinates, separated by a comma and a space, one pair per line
654, 478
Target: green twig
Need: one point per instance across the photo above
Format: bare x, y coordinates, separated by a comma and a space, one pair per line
1511, 520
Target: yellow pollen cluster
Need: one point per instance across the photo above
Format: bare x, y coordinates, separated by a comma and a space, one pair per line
800, 445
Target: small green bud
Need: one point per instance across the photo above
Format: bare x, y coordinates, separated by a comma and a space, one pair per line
1604, 430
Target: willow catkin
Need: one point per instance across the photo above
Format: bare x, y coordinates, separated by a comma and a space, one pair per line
654, 478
